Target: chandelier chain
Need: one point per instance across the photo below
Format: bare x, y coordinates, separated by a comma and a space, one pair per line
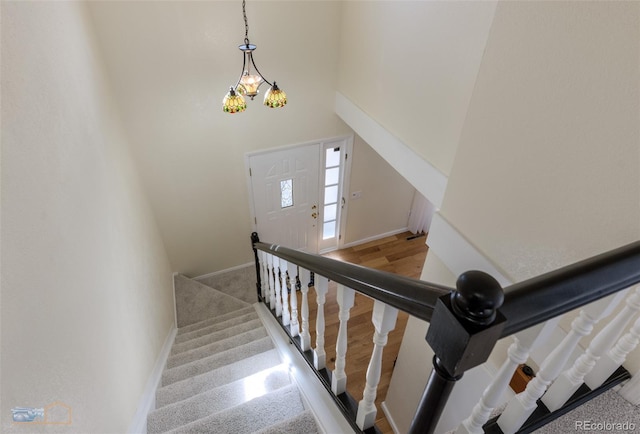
246, 22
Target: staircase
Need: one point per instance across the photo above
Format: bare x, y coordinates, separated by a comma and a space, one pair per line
223, 374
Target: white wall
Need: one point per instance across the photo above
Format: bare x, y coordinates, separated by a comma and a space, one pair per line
86, 283
386, 196
411, 65
171, 63
547, 170
548, 166
414, 358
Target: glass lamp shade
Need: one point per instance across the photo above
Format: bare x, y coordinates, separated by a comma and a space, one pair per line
275, 97
250, 83
240, 90
233, 102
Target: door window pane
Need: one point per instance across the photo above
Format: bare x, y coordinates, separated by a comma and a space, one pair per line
286, 193
329, 230
329, 212
331, 176
332, 157
331, 194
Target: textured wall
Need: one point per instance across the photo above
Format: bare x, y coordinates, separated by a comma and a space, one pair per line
86, 283
548, 166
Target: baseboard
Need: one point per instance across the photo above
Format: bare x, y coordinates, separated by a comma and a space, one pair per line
148, 399
631, 390
226, 270
175, 304
387, 414
374, 238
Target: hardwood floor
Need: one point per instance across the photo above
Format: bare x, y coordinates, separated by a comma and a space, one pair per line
396, 254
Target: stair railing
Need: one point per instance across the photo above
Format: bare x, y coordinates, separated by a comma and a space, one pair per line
465, 323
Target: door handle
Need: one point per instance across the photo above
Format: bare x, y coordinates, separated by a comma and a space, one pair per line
314, 215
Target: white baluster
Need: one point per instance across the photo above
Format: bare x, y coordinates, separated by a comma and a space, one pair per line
570, 380
384, 320
520, 408
272, 282
286, 315
294, 326
264, 276
518, 353
319, 355
345, 298
614, 358
278, 285
305, 335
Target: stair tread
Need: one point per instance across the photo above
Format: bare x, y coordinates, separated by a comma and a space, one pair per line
215, 347
186, 388
607, 407
220, 326
216, 361
215, 336
304, 422
216, 320
250, 416
196, 302
218, 399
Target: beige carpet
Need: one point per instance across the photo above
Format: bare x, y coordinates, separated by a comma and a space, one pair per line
223, 374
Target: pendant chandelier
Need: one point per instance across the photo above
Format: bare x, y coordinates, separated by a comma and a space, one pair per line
250, 80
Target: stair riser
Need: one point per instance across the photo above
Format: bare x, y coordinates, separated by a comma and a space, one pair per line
216, 320
216, 327
216, 361
192, 386
303, 423
215, 336
216, 347
251, 416
218, 399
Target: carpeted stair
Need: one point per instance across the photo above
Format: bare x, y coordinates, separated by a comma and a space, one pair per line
223, 374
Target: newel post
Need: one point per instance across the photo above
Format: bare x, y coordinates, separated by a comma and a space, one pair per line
464, 328
255, 239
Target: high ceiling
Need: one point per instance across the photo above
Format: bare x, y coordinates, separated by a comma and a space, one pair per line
170, 64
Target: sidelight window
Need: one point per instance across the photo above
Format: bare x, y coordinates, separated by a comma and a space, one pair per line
331, 187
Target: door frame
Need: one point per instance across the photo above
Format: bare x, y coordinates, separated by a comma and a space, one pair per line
345, 178
345, 175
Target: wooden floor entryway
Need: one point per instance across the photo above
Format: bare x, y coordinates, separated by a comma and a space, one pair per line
402, 254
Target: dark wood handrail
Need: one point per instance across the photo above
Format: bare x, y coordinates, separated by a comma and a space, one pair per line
413, 296
541, 298
467, 324
526, 303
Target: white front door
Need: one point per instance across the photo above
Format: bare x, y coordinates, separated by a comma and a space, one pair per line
285, 191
